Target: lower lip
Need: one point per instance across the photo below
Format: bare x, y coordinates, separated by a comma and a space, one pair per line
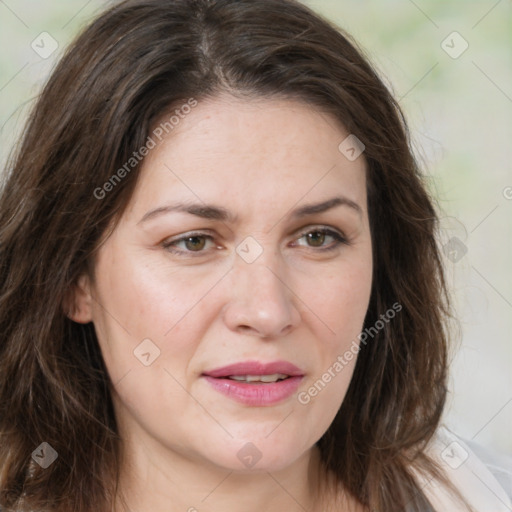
256, 394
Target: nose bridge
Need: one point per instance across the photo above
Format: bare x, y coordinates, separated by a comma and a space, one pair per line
260, 279
262, 276
260, 299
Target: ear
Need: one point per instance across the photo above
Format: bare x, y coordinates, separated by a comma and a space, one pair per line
78, 302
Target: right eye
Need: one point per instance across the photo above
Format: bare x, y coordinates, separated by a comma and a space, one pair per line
190, 243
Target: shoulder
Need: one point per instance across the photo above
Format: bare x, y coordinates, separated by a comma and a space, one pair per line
483, 477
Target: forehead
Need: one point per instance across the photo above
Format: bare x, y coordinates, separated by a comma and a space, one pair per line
260, 150
245, 126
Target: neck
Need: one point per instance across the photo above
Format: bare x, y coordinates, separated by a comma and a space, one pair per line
159, 481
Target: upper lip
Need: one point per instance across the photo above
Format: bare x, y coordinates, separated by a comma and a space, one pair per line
255, 368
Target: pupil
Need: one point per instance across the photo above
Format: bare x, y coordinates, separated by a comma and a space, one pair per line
193, 246
317, 240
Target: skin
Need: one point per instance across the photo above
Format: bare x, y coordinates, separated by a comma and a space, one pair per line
260, 159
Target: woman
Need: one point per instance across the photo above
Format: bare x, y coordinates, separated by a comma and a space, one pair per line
220, 285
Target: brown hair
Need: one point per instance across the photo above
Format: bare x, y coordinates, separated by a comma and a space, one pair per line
130, 66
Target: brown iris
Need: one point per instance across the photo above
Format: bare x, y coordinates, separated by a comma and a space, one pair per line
317, 238
195, 243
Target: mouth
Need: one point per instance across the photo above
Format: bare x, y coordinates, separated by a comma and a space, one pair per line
254, 383
262, 379
281, 369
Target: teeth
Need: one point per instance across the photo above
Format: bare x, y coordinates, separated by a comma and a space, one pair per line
259, 378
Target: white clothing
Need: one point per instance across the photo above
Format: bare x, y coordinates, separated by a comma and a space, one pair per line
483, 477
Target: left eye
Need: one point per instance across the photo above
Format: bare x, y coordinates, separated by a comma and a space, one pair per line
317, 237
195, 243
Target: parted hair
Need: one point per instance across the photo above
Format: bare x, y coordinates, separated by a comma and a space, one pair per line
129, 66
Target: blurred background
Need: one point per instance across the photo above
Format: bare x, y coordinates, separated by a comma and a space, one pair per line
450, 65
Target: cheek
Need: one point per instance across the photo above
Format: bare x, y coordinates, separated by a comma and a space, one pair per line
147, 310
321, 397
342, 309
340, 300
135, 301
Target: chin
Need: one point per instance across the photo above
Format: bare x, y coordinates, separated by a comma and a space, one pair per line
259, 455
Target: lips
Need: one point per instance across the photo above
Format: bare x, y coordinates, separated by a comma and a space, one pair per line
256, 368
254, 383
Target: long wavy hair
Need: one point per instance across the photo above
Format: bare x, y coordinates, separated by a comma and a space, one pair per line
135, 62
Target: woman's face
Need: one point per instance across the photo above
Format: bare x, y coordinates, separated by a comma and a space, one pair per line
244, 283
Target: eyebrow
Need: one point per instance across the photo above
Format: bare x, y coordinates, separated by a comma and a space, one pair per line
214, 212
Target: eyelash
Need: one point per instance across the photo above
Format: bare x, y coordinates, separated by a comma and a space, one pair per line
339, 240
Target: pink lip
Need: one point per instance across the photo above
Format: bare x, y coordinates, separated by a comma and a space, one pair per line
256, 368
255, 394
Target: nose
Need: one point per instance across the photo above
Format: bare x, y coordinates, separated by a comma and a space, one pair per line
261, 301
